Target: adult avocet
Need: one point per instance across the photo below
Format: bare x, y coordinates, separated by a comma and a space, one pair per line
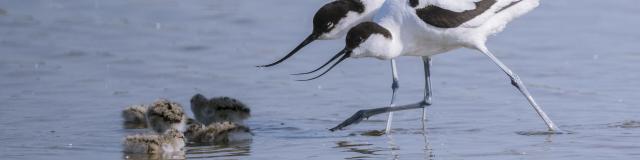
428, 27
334, 19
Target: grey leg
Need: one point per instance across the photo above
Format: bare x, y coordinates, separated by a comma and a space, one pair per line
366, 113
427, 85
394, 88
426, 61
515, 81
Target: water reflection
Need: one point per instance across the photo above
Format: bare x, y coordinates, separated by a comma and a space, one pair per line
367, 150
393, 146
428, 152
2, 12
217, 151
628, 124
175, 155
200, 151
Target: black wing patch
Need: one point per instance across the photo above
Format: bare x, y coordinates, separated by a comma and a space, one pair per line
509, 6
443, 18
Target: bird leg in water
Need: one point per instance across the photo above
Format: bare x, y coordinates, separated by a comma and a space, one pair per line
366, 113
394, 88
516, 82
426, 61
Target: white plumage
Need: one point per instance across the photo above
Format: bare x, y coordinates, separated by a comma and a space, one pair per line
496, 14
413, 37
453, 5
421, 28
425, 28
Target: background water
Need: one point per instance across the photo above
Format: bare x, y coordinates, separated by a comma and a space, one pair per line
68, 67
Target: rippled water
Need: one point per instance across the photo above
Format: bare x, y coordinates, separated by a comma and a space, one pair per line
67, 68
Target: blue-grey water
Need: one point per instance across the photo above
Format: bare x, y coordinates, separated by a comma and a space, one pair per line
68, 67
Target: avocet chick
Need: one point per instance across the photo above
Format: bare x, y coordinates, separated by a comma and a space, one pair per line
218, 109
134, 117
222, 133
193, 126
164, 115
170, 141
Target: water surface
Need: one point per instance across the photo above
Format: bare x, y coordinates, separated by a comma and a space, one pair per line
67, 69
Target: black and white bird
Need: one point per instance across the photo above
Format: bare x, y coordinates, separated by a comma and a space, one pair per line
334, 19
425, 28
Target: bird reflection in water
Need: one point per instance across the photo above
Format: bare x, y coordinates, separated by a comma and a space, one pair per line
364, 149
371, 151
237, 150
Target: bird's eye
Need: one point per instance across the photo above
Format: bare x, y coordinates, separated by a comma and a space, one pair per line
330, 25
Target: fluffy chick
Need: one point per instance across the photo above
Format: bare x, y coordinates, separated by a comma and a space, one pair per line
220, 109
170, 141
164, 115
134, 117
222, 133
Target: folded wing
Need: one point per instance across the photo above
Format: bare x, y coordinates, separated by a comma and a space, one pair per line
459, 13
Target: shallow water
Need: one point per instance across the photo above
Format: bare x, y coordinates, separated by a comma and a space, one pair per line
68, 68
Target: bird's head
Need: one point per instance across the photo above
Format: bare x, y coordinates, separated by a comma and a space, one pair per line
331, 21
369, 39
366, 39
